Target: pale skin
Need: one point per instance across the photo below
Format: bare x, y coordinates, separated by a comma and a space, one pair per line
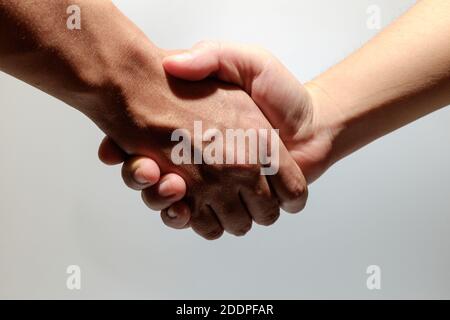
110, 71
398, 77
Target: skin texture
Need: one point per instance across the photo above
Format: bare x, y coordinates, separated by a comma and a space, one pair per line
113, 74
282, 99
396, 78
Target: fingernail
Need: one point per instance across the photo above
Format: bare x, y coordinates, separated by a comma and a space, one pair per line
171, 213
182, 57
139, 177
164, 189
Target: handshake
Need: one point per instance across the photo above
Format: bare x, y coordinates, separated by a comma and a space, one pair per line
239, 94
223, 135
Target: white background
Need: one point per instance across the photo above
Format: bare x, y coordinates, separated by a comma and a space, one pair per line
387, 204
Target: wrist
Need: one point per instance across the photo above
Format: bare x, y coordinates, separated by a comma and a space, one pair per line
330, 122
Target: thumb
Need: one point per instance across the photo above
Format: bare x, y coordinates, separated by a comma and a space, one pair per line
110, 153
194, 64
234, 63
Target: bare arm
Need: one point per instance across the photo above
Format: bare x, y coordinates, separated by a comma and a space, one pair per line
396, 78
76, 66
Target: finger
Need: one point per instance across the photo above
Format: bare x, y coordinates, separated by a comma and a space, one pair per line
194, 64
247, 67
229, 62
253, 69
170, 189
261, 203
177, 216
233, 216
288, 183
110, 153
205, 223
139, 173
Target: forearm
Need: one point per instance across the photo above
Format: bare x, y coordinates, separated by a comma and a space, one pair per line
80, 67
398, 77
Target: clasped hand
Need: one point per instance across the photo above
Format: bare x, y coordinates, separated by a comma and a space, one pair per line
212, 199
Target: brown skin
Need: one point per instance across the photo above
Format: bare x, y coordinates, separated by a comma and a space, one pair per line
112, 73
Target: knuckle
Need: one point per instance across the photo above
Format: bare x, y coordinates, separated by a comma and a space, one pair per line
249, 172
261, 192
245, 169
243, 229
213, 234
296, 191
271, 216
269, 219
297, 202
261, 92
245, 173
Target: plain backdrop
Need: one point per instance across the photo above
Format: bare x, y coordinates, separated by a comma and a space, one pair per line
386, 205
